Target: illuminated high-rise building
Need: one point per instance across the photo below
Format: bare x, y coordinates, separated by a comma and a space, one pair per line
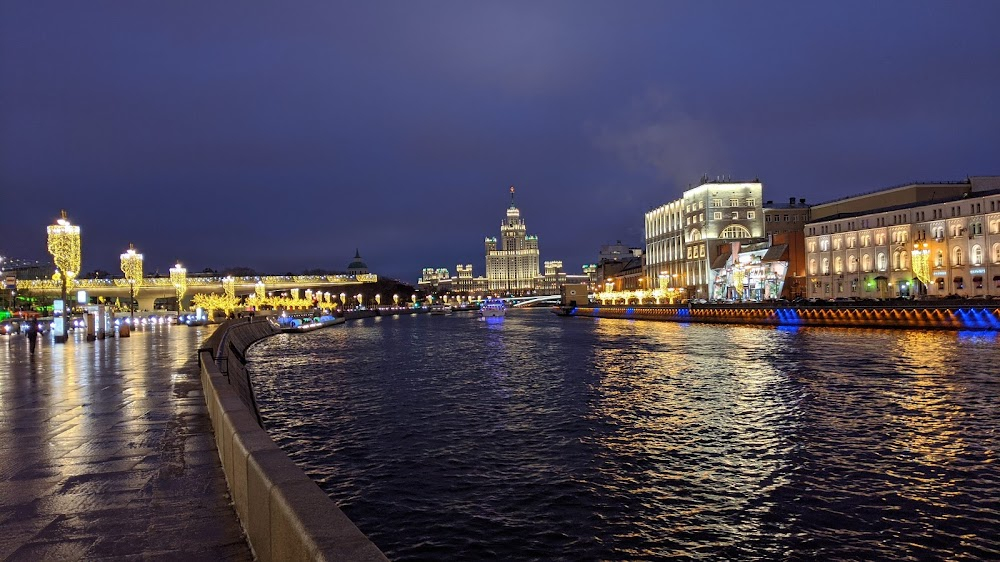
512, 260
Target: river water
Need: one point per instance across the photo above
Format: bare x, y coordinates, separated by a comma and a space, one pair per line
541, 437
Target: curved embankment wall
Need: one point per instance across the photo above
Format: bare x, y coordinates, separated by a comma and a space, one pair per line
286, 516
915, 317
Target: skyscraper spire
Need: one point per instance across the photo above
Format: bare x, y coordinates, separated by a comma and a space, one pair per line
512, 197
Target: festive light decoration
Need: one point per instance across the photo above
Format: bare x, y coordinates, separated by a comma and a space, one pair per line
178, 277
64, 245
259, 291
229, 286
921, 263
131, 262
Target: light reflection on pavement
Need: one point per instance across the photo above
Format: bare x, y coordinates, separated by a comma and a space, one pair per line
107, 451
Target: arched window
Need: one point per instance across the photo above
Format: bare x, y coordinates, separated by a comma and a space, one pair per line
895, 259
866, 262
826, 266
824, 245
881, 261
735, 231
995, 227
694, 236
956, 256
902, 260
852, 264
939, 259
996, 253
838, 265
812, 267
977, 255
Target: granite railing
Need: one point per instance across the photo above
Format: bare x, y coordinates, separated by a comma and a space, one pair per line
286, 516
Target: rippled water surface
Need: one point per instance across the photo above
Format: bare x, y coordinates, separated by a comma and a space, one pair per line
539, 437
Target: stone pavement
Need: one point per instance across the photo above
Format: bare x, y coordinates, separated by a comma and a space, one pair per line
107, 452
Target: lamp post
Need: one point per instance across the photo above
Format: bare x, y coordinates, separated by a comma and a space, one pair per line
178, 277
132, 268
64, 245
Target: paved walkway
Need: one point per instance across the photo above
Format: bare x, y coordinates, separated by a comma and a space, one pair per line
107, 452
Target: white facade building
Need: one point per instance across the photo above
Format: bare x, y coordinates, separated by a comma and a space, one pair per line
684, 236
934, 248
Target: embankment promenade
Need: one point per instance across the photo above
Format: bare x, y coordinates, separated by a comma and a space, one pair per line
915, 315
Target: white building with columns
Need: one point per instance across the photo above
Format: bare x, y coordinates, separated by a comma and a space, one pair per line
512, 260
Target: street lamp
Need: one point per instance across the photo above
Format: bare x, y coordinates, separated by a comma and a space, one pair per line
178, 277
132, 268
64, 245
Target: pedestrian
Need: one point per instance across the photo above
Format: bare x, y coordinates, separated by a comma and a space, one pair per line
32, 335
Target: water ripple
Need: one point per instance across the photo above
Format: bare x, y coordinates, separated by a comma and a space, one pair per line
578, 439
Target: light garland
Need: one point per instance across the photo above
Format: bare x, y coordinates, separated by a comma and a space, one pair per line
132, 268
229, 286
178, 278
64, 245
921, 264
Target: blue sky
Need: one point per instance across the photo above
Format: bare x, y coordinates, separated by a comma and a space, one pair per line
282, 136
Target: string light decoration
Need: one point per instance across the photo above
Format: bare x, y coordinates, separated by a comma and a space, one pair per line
921, 263
64, 245
132, 268
259, 291
178, 278
229, 286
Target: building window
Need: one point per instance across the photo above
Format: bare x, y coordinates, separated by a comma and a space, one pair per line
812, 266
852, 264
956, 256
826, 266
881, 261
751, 215
939, 259
866, 240
996, 253
824, 245
866, 263
736, 215
735, 231
716, 202
977, 255
838, 265
751, 203
812, 247
734, 202
836, 244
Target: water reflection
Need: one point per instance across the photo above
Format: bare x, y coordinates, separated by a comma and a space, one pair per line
448, 437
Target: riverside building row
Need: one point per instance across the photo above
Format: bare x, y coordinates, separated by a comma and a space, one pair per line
915, 240
925, 239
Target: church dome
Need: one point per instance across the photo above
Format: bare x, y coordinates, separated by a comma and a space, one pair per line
357, 266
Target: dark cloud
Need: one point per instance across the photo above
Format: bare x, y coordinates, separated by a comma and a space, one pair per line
284, 136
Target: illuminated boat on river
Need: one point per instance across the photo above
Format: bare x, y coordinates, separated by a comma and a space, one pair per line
493, 308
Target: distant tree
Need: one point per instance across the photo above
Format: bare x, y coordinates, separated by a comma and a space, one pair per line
241, 272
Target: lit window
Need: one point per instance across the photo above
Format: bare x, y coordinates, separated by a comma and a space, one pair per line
751, 215
736, 215
716, 202
717, 216
734, 202
751, 203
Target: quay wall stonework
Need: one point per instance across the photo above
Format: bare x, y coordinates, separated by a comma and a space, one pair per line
907, 317
285, 515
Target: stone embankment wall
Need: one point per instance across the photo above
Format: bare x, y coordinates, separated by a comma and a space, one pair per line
285, 515
912, 317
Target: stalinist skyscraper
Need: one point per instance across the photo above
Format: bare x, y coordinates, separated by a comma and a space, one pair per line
513, 267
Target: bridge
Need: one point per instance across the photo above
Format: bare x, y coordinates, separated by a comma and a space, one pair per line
526, 301
147, 290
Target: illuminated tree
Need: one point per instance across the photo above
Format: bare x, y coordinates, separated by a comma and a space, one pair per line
178, 277
64, 245
132, 268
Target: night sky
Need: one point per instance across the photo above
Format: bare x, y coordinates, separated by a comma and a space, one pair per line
283, 135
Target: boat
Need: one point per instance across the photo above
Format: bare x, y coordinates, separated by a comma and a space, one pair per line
439, 309
493, 308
